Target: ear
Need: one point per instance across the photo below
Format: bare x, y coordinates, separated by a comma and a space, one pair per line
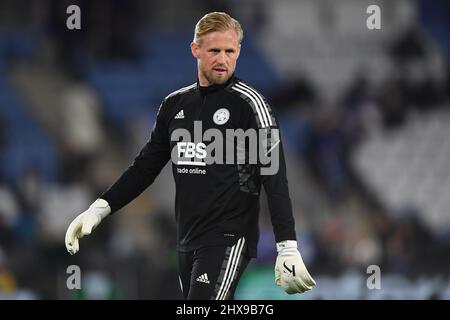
195, 49
238, 51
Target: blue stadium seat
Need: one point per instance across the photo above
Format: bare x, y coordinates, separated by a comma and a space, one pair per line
26, 147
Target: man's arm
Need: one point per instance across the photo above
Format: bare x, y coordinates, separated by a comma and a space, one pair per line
259, 116
277, 191
143, 171
290, 270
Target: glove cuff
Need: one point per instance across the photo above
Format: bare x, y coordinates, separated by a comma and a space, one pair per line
101, 208
287, 247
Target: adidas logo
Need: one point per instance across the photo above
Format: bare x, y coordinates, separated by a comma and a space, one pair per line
180, 115
203, 278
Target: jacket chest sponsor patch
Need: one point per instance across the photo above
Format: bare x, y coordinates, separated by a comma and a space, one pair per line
221, 116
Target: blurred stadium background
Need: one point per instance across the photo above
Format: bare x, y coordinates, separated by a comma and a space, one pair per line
365, 117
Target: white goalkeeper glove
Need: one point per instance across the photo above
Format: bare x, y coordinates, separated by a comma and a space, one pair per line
84, 223
290, 271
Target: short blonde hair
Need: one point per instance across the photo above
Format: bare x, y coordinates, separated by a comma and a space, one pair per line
217, 21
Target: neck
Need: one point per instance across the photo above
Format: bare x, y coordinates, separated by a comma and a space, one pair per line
202, 80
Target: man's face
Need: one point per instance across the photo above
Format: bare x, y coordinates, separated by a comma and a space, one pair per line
216, 55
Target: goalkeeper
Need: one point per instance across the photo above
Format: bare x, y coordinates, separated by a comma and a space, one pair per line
216, 203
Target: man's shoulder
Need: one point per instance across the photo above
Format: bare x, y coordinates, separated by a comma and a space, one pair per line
245, 90
181, 91
254, 100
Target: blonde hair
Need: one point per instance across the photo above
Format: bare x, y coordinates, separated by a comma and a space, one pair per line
217, 21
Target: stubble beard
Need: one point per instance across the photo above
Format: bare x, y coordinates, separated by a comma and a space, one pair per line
212, 79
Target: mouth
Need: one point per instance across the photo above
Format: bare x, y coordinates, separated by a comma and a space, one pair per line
220, 70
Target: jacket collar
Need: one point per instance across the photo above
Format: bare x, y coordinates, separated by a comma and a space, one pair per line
215, 87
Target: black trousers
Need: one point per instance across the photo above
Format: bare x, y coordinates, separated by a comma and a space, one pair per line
212, 272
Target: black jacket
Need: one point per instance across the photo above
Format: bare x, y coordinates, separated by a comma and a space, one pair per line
215, 203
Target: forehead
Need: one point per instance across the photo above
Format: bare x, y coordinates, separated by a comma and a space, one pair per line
227, 38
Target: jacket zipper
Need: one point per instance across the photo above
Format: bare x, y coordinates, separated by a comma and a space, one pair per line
199, 112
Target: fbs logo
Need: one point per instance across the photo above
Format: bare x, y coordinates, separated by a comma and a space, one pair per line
235, 146
191, 151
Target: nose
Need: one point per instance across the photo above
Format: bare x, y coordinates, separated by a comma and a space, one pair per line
222, 58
